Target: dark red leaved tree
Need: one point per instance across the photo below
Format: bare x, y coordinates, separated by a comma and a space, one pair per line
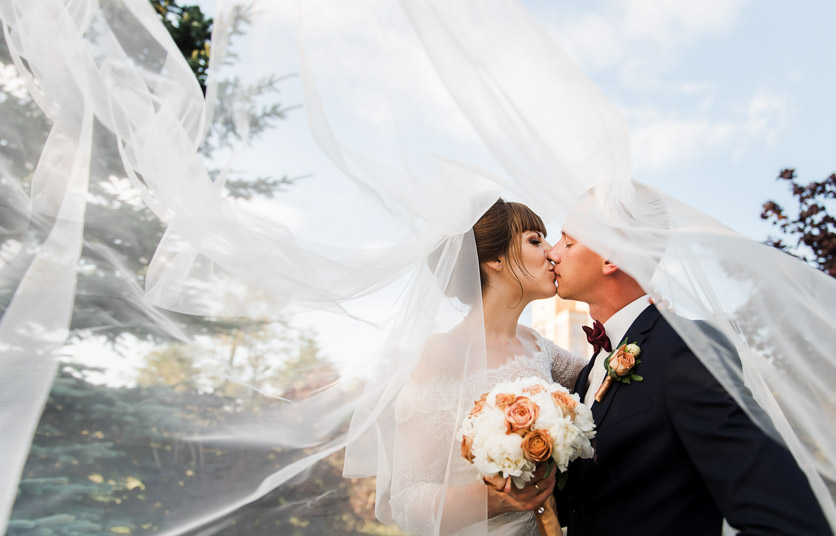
809, 233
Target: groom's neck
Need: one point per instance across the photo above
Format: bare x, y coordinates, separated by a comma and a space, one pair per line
613, 300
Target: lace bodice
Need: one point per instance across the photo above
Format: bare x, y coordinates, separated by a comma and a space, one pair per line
427, 415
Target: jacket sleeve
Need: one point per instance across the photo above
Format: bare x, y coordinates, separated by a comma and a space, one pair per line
753, 479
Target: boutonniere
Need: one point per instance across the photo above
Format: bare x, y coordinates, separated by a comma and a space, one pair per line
620, 365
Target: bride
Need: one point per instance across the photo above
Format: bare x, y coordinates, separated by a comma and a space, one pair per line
513, 271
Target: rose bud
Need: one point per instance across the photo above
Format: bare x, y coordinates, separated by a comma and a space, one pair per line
534, 389
622, 362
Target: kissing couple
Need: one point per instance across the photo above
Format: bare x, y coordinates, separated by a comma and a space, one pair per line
675, 453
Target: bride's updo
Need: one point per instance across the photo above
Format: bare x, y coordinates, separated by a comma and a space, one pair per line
496, 233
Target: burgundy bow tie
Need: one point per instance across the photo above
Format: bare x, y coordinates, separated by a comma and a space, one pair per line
597, 337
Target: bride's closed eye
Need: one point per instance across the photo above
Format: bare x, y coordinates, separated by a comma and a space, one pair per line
535, 239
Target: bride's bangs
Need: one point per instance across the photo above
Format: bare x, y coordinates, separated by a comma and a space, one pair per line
523, 219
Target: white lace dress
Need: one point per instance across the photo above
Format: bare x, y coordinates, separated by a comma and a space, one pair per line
426, 421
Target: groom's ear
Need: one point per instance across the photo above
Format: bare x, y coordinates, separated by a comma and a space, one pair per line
608, 268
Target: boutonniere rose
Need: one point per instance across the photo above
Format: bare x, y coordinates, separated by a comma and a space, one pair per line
620, 365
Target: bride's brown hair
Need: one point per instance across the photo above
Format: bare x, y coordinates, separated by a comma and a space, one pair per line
497, 232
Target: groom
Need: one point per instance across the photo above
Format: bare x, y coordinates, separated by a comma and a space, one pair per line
675, 454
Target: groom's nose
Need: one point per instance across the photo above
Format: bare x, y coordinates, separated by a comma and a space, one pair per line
553, 254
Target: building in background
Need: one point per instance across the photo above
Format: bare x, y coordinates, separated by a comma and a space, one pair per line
561, 321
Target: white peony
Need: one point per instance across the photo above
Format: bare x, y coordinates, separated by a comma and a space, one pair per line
549, 413
584, 421
502, 454
488, 423
564, 451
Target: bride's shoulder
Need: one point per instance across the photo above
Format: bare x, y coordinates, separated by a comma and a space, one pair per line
534, 336
441, 356
550, 348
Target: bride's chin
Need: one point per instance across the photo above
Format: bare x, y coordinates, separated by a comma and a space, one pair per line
550, 294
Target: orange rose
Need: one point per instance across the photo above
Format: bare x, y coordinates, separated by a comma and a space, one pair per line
479, 405
565, 402
520, 415
467, 443
503, 400
534, 389
477, 408
622, 362
537, 445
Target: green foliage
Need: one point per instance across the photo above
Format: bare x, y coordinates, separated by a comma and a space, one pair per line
265, 187
99, 454
192, 32
121, 233
111, 459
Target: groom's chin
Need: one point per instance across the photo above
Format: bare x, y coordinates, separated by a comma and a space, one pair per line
564, 295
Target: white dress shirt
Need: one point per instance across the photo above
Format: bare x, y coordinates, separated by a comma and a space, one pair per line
616, 327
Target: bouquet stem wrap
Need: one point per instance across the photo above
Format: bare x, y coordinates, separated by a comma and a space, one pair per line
547, 522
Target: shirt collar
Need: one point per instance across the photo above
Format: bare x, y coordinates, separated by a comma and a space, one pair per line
618, 324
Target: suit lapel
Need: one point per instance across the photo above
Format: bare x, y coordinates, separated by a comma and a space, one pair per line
581, 383
637, 333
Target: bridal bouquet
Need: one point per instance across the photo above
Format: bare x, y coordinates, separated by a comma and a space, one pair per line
521, 424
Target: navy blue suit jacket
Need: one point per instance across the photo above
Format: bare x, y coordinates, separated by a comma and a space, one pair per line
675, 454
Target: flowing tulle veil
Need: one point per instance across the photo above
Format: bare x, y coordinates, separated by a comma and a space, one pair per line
417, 116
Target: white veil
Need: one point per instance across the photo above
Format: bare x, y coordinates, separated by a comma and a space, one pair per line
417, 116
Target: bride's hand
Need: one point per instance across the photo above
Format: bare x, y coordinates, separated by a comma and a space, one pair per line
507, 498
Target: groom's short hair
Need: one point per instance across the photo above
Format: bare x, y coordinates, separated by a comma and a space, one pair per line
634, 222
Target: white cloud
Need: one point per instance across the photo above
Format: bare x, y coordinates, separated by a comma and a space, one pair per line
671, 23
637, 47
659, 142
767, 114
603, 39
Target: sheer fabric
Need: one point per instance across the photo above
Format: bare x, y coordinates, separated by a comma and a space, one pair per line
427, 413
417, 115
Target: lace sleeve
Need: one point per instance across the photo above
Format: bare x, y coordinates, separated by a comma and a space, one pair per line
424, 430
565, 365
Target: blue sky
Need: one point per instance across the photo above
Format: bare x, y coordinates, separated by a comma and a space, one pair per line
720, 95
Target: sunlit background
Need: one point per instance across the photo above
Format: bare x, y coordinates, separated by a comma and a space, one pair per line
720, 96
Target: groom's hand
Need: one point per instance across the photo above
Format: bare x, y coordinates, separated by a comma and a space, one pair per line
511, 499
